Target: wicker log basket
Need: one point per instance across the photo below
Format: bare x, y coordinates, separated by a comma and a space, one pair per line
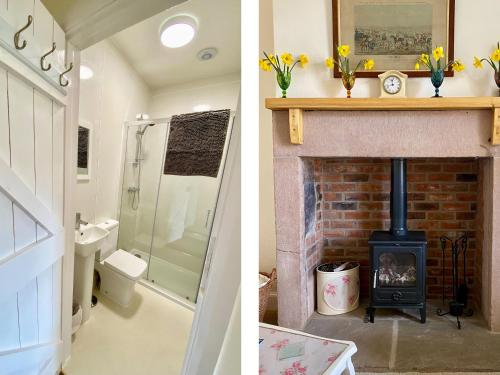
264, 292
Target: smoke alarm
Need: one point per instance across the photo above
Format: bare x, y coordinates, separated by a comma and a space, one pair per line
207, 54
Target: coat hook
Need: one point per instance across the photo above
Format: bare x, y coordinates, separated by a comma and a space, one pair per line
46, 55
18, 34
61, 76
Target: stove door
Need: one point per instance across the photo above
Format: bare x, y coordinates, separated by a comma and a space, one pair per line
397, 275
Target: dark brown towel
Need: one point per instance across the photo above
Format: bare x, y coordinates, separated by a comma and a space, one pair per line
196, 143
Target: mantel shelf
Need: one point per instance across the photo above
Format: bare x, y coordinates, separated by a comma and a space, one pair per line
296, 106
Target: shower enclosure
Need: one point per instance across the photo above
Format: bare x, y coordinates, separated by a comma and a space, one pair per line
166, 219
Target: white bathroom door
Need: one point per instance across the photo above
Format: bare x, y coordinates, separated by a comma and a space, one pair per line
31, 232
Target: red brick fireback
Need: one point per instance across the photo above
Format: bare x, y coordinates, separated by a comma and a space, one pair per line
442, 200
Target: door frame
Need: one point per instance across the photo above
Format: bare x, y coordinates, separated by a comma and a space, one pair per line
70, 181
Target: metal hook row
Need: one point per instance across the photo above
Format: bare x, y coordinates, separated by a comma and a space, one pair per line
19, 46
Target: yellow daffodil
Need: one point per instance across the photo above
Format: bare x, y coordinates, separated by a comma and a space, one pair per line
344, 50
272, 58
417, 66
265, 65
477, 63
457, 66
369, 64
287, 58
438, 53
424, 58
329, 62
303, 60
495, 56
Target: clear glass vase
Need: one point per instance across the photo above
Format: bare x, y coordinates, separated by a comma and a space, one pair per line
497, 81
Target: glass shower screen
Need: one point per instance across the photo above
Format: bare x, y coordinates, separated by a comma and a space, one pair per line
166, 219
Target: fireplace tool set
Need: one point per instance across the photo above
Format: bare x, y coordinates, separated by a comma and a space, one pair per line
458, 305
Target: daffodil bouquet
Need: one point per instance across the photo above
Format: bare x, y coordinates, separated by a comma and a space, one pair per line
342, 61
437, 69
283, 65
494, 62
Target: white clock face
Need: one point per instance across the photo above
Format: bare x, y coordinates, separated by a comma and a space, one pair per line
392, 85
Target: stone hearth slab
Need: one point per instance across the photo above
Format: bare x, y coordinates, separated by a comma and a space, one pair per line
397, 342
442, 347
369, 356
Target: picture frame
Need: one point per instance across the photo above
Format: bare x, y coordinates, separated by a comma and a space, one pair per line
383, 30
84, 156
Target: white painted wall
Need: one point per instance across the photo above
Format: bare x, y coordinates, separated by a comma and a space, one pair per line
267, 84
229, 361
477, 31
219, 93
114, 94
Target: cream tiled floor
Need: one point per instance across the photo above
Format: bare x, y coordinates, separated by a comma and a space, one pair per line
147, 338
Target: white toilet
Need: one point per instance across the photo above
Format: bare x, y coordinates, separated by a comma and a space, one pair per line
118, 269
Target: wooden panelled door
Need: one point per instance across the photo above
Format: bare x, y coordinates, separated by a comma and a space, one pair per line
31, 231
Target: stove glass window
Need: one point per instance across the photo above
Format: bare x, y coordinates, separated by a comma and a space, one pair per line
397, 270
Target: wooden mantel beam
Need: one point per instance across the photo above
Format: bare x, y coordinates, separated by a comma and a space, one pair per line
296, 106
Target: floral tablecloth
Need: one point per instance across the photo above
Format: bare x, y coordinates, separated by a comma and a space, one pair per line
321, 356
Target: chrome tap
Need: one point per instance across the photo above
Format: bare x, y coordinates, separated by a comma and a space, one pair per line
79, 221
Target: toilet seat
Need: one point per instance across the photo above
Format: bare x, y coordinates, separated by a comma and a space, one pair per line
126, 264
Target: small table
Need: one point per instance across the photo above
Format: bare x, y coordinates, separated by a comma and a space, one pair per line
322, 356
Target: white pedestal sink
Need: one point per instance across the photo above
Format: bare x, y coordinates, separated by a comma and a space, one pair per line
87, 241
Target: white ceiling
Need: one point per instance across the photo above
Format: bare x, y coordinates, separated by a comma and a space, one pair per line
87, 22
159, 66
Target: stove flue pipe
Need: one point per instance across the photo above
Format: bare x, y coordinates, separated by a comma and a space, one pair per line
399, 198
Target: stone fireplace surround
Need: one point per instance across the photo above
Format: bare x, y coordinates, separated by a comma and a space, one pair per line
346, 133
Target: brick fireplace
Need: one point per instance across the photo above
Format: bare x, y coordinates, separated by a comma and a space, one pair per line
442, 200
332, 192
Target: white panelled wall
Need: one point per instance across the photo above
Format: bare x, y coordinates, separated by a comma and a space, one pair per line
32, 176
114, 94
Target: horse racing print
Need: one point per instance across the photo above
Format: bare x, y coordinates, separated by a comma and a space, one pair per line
393, 32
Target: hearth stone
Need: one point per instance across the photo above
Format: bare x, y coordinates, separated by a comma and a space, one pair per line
397, 271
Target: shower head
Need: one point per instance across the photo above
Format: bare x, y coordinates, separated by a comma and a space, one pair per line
143, 130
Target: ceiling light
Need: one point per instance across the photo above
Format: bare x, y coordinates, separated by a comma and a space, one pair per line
86, 72
177, 31
201, 108
207, 54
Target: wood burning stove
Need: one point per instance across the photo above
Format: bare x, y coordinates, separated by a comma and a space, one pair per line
397, 256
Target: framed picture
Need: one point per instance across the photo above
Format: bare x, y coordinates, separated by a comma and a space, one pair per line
393, 32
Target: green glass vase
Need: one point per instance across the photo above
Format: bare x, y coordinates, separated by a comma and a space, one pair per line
284, 80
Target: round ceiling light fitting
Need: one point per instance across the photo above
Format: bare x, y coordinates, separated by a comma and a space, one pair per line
178, 31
